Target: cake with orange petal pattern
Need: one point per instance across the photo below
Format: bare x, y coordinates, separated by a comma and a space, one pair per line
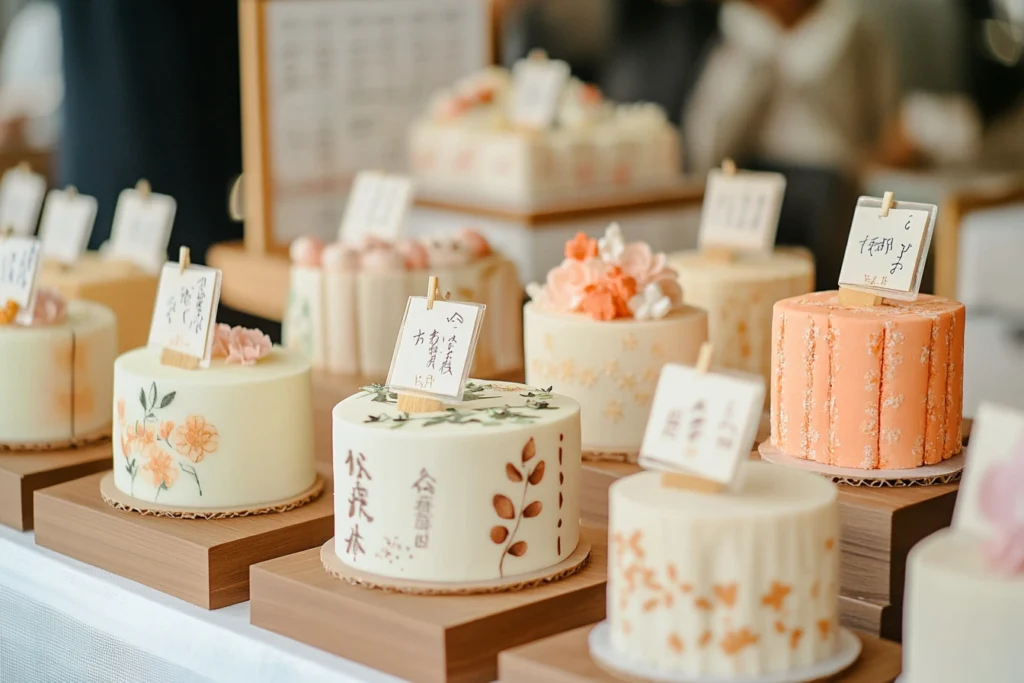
872, 387
601, 328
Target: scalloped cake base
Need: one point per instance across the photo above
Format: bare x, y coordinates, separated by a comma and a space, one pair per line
339, 569
606, 456
946, 472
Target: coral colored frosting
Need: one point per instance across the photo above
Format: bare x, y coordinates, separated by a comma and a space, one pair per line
867, 387
476, 243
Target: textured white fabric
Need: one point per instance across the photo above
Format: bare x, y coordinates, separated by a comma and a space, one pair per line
63, 621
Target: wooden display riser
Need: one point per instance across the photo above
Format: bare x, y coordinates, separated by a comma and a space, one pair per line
426, 639
878, 529
22, 474
205, 562
565, 658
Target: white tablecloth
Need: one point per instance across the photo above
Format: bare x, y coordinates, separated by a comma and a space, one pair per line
67, 622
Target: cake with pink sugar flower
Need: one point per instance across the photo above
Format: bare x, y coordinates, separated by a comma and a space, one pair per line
346, 301
238, 434
600, 329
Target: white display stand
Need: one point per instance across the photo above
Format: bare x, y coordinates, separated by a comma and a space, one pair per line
61, 619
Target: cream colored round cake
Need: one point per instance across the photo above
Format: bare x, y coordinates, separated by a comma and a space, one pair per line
738, 296
226, 436
611, 367
963, 620
484, 490
55, 380
723, 584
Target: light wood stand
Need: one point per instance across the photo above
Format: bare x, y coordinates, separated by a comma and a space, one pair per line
23, 473
565, 658
426, 639
205, 562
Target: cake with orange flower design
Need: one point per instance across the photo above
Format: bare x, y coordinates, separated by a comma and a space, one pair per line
720, 585
236, 434
601, 328
867, 387
56, 374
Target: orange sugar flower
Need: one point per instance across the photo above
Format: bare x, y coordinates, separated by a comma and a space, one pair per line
624, 285
581, 248
196, 438
159, 469
165, 429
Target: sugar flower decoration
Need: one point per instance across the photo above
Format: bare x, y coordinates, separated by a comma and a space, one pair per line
650, 304
580, 248
1001, 497
49, 308
611, 245
240, 345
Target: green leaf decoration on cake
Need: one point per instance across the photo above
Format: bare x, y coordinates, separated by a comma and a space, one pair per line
166, 400
485, 417
506, 509
142, 399
152, 395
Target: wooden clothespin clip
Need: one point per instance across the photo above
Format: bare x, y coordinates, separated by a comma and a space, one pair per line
887, 202
184, 259
143, 188
24, 167
71, 191
434, 292
728, 166
537, 55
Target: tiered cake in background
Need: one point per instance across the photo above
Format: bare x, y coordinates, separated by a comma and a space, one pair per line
738, 294
236, 434
484, 490
867, 387
600, 330
346, 302
466, 146
724, 584
55, 374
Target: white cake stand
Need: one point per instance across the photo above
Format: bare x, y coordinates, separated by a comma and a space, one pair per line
601, 650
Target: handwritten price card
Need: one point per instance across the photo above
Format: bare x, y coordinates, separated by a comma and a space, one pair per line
68, 218
741, 210
19, 264
886, 254
702, 423
185, 311
435, 348
21, 199
538, 86
376, 207
142, 228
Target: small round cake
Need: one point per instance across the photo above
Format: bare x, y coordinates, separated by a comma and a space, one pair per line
600, 330
963, 618
55, 376
738, 296
722, 584
870, 387
484, 490
231, 435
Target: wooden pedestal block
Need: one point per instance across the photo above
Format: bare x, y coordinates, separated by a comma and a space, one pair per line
877, 618
205, 562
21, 474
426, 639
565, 658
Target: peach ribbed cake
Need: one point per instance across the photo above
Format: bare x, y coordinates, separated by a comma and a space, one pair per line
238, 434
743, 582
601, 328
867, 387
483, 490
55, 374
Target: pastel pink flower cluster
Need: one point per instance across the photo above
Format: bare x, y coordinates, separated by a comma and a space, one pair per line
380, 256
239, 344
1000, 496
50, 308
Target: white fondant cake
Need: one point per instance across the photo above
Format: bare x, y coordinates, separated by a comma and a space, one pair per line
738, 296
55, 380
724, 584
487, 489
963, 620
231, 435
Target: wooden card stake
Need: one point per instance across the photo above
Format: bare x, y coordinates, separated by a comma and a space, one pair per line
185, 313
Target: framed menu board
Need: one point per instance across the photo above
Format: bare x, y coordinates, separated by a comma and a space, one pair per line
329, 88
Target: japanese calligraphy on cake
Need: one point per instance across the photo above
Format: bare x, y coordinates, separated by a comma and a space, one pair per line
377, 206
702, 423
68, 219
886, 254
539, 83
435, 348
185, 311
741, 210
142, 228
19, 265
21, 199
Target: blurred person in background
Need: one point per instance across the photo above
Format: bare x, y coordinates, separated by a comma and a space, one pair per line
31, 79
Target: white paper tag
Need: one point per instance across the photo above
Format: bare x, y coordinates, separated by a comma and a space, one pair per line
19, 269
741, 210
68, 220
887, 255
435, 348
186, 310
21, 200
538, 86
702, 423
142, 229
377, 206
303, 326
